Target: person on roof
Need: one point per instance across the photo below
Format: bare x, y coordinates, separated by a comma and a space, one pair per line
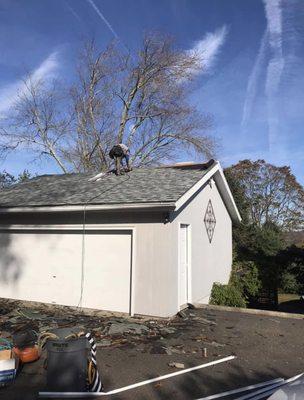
120, 152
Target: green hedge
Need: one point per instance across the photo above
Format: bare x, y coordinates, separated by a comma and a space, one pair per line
289, 284
227, 295
245, 277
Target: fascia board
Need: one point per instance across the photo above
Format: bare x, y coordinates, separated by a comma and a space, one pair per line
218, 175
195, 188
226, 194
106, 207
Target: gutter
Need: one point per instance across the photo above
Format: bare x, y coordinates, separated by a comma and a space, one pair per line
170, 206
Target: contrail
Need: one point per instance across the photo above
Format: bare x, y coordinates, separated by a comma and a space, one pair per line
275, 66
271, 44
73, 12
103, 18
253, 81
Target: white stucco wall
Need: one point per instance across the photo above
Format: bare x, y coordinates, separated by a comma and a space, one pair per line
153, 269
155, 245
210, 262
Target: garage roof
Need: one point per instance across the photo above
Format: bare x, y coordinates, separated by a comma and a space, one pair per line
161, 185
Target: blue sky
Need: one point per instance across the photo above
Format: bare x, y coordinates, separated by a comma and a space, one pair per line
253, 53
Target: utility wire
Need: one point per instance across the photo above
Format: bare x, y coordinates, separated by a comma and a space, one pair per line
83, 234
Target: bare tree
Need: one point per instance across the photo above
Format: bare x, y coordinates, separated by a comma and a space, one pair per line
92, 101
156, 119
141, 100
37, 123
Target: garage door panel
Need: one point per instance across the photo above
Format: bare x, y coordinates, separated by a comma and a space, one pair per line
47, 267
107, 274
46, 263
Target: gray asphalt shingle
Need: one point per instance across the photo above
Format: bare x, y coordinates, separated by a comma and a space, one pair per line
142, 185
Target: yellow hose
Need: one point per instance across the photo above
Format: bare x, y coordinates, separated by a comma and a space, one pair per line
91, 372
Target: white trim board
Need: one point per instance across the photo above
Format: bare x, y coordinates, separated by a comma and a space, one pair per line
195, 188
226, 194
189, 269
90, 207
217, 174
67, 227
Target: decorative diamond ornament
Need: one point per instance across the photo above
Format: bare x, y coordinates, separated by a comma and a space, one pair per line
210, 221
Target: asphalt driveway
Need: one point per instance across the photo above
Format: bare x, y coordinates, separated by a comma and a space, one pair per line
133, 350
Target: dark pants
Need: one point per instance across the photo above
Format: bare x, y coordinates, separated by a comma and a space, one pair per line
119, 162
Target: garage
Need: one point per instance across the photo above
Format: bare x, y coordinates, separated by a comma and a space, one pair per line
68, 268
155, 239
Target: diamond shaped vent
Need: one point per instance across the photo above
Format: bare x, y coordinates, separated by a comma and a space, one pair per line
210, 221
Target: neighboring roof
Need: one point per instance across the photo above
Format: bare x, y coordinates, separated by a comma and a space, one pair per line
153, 186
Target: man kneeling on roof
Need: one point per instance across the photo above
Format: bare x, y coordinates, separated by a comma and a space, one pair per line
120, 152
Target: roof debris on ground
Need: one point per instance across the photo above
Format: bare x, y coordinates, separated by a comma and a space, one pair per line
131, 350
108, 331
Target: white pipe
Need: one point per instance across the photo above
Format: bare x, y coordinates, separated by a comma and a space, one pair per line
94, 178
262, 396
264, 391
270, 392
135, 385
242, 389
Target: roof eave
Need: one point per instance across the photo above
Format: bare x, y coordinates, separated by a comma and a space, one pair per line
164, 206
217, 174
227, 196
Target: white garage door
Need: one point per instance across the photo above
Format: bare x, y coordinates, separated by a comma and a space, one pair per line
50, 267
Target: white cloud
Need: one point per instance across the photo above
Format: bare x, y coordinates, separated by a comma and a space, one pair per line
47, 68
9, 94
208, 49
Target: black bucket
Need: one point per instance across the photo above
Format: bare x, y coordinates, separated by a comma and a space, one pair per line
67, 363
